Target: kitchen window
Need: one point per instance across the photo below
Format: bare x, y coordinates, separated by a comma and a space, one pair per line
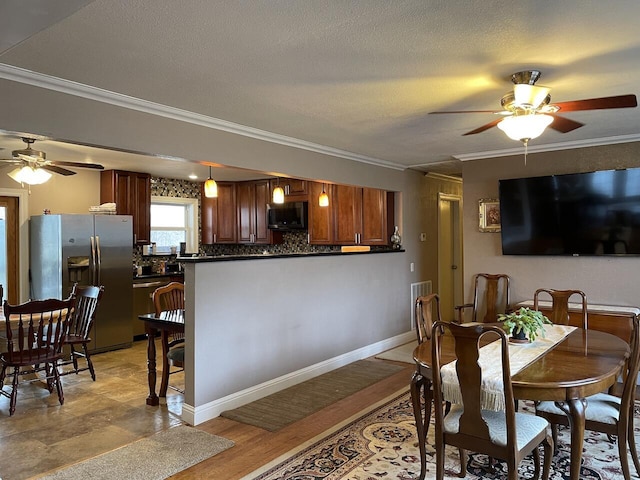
174, 220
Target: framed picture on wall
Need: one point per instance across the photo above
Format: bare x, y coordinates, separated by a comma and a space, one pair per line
489, 215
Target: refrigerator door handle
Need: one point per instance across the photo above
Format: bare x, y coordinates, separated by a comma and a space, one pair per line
93, 260
99, 259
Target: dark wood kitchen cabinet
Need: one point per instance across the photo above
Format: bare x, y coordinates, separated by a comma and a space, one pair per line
131, 192
252, 199
320, 225
295, 190
218, 215
361, 215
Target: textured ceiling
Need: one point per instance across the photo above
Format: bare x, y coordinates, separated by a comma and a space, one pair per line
358, 76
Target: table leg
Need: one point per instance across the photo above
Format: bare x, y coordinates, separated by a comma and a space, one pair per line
152, 399
421, 388
574, 409
164, 384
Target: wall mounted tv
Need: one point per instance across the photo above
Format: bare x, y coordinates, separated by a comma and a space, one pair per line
596, 213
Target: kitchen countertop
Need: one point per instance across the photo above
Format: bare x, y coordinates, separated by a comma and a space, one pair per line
256, 256
151, 276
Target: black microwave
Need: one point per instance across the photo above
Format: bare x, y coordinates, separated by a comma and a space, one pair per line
287, 216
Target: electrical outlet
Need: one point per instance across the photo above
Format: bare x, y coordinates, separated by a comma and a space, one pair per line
412, 267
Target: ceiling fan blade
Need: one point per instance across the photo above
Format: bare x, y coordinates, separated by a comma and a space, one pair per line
55, 169
564, 125
464, 111
95, 166
619, 101
483, 127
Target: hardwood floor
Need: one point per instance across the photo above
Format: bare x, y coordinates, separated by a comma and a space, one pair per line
100, 416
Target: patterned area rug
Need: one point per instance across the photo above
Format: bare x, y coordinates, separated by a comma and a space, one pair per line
381, 444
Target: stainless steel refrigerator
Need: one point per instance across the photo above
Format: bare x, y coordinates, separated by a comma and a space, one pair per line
89, 250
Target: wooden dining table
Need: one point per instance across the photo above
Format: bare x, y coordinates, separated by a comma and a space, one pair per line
165, 323
584, 363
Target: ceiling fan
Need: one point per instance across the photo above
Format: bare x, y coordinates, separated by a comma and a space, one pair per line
527, 110
33, 166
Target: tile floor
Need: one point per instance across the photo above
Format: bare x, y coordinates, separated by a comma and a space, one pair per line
96, 416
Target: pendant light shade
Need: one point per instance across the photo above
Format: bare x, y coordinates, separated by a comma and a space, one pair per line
210, 187
323, 199
278, 194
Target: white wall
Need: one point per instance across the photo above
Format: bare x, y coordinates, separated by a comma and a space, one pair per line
605, 280
257, 320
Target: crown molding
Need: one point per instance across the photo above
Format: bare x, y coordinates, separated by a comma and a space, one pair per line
551, 147
442, 176
69, 87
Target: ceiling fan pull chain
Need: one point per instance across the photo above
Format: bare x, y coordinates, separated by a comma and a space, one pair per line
526, 144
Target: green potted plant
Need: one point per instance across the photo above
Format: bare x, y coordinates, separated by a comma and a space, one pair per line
524, 324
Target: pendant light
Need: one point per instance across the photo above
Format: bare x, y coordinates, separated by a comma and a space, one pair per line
323, 199
210, 187
278, 194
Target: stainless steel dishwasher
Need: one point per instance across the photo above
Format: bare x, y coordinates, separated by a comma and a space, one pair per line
143, 288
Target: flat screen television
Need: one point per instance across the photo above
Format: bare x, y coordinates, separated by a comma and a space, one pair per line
596, 213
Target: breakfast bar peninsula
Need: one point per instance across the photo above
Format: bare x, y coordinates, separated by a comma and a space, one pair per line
258, 324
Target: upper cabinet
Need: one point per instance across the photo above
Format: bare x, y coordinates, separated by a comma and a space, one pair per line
355, 216
252, 200
131, 192
218, 215
295, 190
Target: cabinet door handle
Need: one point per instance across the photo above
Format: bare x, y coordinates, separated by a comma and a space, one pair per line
214, 238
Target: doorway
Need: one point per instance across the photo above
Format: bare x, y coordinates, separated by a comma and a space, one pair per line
450, 275
9, 247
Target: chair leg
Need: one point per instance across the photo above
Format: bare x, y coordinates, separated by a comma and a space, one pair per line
74, 358
632, 442
554, 435
536, 463
49, 375
87, 356
14, 391
440, 462
622, 451
56, 376
420, 389
549, 448
463, 463
2, 375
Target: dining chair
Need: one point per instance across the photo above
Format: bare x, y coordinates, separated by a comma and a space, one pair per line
34, 333
491, 296
86, 300
171, 298
606, 413
560, 300
426, 309
505, 435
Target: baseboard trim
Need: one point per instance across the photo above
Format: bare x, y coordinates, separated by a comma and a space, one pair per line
197, 415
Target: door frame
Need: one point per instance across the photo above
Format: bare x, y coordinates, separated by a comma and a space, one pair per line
23, 242
457, 199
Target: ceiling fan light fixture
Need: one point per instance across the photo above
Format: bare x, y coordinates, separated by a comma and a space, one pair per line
29, 175
210, 187
525, 127
529, 96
